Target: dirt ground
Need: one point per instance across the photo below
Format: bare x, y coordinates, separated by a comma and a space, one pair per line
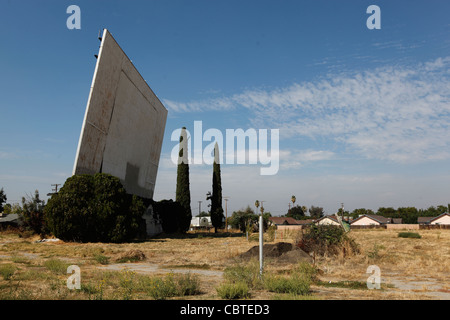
410, 268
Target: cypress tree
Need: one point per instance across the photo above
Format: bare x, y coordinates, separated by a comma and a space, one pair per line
216, 196
183, 194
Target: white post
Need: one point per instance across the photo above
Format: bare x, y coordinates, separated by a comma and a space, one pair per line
261, 227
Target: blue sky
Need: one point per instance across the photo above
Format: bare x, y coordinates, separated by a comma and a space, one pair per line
363, 114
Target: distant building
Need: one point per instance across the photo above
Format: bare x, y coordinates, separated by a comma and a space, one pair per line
443, 219
328, 220
201, 222
11, 219
371, 220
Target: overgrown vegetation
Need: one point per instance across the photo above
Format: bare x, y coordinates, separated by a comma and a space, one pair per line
231, 291
327, 239
56, 266
32, 214
409, 235
171, 285
240, 279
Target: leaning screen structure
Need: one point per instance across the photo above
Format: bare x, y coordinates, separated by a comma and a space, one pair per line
124, 123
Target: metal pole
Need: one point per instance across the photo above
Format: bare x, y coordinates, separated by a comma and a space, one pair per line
261, 245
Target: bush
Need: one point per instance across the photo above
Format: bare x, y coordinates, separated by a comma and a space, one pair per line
248, 274
101, 259
409, 235
236, 290
322, 239
161, 288
95, 208
296, 284
188, 285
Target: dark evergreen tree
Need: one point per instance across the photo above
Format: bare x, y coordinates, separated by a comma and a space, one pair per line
2, 199
183, 194
217, 215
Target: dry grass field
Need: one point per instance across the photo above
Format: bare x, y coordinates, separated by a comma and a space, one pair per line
410, 268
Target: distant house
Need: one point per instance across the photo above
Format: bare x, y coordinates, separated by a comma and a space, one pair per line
11, 219
443, 219
285, 221
328, 220
371, 220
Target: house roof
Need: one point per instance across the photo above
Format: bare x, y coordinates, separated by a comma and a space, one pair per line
424, 219
375, 217
306, 221
332, 217
285, 220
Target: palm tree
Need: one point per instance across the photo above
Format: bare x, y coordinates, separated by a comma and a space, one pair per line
293, 200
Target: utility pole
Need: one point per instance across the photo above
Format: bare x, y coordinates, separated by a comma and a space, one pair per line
199, 208
54, 190
226, 212
261, 240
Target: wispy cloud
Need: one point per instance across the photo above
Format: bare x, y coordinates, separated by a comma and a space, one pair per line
396, 113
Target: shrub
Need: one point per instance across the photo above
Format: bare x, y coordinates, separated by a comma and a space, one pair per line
236, 290
248, 274
409, 235
101, 259
161, 288
95, 208
306, 269
297, 285
188, 284
322, 239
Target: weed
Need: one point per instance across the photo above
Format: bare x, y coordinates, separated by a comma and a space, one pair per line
7, 271
188, 284
56, 266
296, 285
236, 290
248, 274
160, 288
